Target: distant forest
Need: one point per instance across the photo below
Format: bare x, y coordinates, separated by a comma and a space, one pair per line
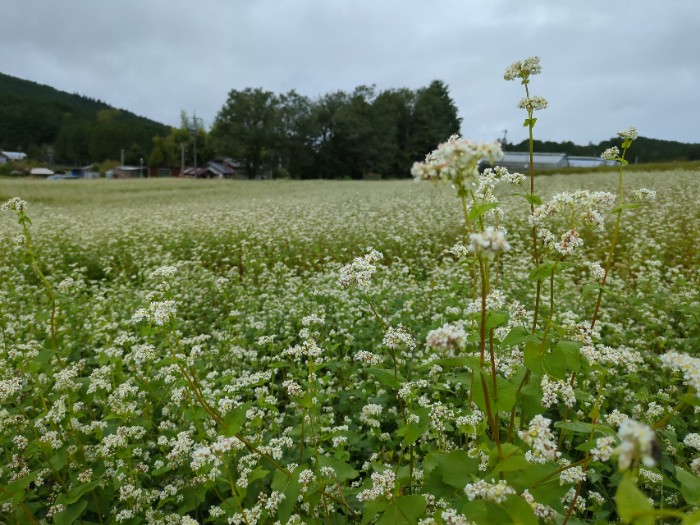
58, 127
360, 134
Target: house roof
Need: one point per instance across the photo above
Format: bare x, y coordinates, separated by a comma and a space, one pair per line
41, 171
539, 158
14, 155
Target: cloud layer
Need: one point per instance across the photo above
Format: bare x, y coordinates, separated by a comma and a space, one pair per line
606, 65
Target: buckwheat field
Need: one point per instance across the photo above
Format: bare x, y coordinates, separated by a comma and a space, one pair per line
488, 348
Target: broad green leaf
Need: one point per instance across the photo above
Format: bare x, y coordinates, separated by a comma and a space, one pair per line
343, 471
386, 377
404, 510
543, 271
632, 505
692, 519
519, 511
71, 514
554, 364
512, 464
690, 486
456, 468
518, 335
235, 419
579, 427
478, 210
630, 206
572, 354
494, 320
534, 360
75, 493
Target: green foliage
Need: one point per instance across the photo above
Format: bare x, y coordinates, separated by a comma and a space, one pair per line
80, 129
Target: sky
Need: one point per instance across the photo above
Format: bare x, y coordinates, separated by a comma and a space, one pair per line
606, 65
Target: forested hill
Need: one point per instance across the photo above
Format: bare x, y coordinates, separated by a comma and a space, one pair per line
69, 128
643, 149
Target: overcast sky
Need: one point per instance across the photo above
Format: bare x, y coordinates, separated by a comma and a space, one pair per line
606, 64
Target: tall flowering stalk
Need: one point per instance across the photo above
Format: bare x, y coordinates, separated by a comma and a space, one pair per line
628, 136
523, 70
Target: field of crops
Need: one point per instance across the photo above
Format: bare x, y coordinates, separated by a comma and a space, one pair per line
248, 352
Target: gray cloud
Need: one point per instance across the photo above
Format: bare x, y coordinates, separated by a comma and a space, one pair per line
606, 65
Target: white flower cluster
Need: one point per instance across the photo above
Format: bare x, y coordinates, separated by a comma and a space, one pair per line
540, 439
581, 205
553, 389
611, 154
628, 134
638, 443
687, 365
496, 492
489, 242
644, 194
447, 337
603, 450
523, 69
395, 337
14, 204
382, 485
607, 356
159, 312
363, 356
456, 161
360, 271
692, 440
533, 103
369, 414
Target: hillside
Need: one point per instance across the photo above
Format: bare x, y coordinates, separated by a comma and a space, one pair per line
53, 125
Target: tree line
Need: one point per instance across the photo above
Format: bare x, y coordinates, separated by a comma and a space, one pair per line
353, 135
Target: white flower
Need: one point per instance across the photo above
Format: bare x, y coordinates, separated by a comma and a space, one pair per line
628, 134
543, 445
638, 443
611, 154
523, 70
360, 271
489, 242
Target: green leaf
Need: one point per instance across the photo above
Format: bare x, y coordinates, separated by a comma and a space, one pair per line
579, 427
404, 510
623, 207
236, 419
520, 511
495, 319
690, 486
534, 360
555, 364
512, 464
543, 271
518, 335
412, 431
75, 493
386, 377
632, 505
456, 468
692, 519
479, 209
343, 471
531, 198
71, 514
572, 354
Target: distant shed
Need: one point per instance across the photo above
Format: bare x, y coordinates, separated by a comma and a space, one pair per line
41, 172
520, 160
586, 162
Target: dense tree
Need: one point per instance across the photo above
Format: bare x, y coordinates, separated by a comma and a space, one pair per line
246, 128
434, 119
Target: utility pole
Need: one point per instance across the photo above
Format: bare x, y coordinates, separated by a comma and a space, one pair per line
194, 126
